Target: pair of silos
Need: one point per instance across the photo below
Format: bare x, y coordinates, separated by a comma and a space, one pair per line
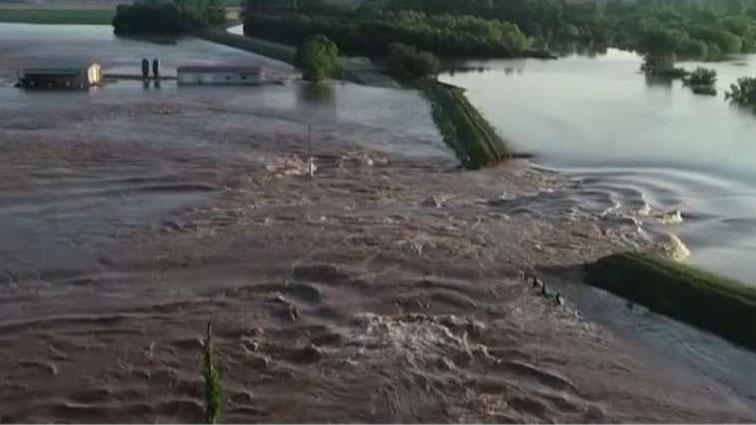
146, 68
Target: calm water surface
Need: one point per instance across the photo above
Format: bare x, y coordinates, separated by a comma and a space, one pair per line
638, 147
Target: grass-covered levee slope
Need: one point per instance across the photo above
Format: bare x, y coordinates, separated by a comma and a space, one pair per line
720, 305
464, 129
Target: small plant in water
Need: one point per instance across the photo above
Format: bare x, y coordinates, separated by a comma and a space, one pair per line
662, 66
702, 76
213, 394
744, 92
702, 81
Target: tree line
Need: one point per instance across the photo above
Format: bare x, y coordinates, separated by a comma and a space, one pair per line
694, 29
167, 16
447, 35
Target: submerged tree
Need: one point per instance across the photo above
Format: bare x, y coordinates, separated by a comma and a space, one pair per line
317, 58
702, 81
744, 92
662, 66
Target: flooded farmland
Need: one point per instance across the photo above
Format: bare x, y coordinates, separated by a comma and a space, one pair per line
389, 287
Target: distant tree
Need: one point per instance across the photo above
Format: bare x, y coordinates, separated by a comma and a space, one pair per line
216, 12
152, 18
406, 62
702, 77
317, 58
702, 81
167, 16
263, 6
662, 66
659, 41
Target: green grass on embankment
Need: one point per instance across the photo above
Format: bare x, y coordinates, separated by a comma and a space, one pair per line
720, 305
57, 16
463, 128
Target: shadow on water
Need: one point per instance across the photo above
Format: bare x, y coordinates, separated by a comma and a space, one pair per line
151, 85
317, 102
655, 81
319, 94
589, 50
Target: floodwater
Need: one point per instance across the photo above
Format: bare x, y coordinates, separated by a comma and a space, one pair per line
80, 167
389, 288
639, 149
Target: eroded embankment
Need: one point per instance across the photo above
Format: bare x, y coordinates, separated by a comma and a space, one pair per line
463, 128
722, 306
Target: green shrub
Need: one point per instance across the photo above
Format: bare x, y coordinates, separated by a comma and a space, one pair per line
167, 16
694, 49
743, 92
213, 392
153, 18
408, 63
662, 66
714, 52
701, 77
317, 58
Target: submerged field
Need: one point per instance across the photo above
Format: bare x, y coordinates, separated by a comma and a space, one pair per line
36, 15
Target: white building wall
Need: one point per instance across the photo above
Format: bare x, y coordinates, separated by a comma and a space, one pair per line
218, 78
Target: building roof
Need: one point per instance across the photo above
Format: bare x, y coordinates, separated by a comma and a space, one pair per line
220, 69
59, 69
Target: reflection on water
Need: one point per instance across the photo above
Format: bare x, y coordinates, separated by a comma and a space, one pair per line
317, 93
317, 102
652, 80
636, 140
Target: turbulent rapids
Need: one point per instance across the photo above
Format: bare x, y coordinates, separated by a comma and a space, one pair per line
390, 286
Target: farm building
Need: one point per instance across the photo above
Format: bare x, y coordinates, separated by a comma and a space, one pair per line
220, 75
76, 76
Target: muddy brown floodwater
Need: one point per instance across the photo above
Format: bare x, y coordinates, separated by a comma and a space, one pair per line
390, 287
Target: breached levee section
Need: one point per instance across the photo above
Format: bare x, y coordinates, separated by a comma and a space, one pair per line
717, 304
463, 128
